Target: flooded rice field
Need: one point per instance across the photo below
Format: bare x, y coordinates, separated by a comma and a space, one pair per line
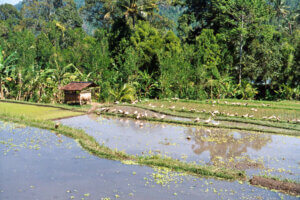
257, 153
38, 164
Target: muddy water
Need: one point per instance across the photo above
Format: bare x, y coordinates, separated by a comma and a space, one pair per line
254, 152
37, 164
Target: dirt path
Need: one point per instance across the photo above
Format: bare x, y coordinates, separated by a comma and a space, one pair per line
288, 187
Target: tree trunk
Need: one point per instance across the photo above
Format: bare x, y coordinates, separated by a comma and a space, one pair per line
133, 20
241, 52
1, 90
20, 85
211, 88
290, 28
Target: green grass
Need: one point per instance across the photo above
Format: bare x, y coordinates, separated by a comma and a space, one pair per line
35, 112
89, 143
75, 107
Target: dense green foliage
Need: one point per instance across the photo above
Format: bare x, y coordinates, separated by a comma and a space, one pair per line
192, 49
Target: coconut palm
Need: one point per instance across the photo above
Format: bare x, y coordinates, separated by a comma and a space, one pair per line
131, 10
6, 67
280, 8
136, 9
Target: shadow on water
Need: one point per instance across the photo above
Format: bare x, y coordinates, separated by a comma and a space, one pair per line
37, 164
257, 153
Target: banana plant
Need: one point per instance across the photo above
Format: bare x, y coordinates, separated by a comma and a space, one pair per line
6, 67
124, 94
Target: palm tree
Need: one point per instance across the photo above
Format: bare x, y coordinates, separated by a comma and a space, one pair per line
291, 20
6, 67
130, 9
138, 9
280, 8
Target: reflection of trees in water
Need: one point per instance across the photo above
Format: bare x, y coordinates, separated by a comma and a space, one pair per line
225, 144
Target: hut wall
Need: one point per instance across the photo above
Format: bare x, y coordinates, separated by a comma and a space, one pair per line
72, 96
85, 97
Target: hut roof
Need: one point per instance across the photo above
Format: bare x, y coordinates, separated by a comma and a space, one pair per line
78, 86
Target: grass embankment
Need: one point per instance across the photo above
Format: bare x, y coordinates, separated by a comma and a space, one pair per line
274, 183
28, 117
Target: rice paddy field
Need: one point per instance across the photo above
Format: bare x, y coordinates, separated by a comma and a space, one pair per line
262, 110
35, 112
121, 157
37, 164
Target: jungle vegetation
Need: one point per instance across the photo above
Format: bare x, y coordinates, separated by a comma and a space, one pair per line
188, 49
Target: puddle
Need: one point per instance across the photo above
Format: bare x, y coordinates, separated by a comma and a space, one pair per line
37, 164
256, 153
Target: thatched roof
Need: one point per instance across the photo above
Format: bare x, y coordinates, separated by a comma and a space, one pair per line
78, 86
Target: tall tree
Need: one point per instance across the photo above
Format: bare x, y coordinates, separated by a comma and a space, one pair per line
64, 11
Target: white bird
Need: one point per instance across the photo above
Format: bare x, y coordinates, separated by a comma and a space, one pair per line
113, 110
246, 115
208, 120
173, 107
197, 120
163, 116
208, 130
216, 123
216, 112
212, 114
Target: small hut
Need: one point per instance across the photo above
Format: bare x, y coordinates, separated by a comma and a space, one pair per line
78, 92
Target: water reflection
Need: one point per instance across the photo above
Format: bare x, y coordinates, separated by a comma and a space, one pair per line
224, 146
228, 148
62, 170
